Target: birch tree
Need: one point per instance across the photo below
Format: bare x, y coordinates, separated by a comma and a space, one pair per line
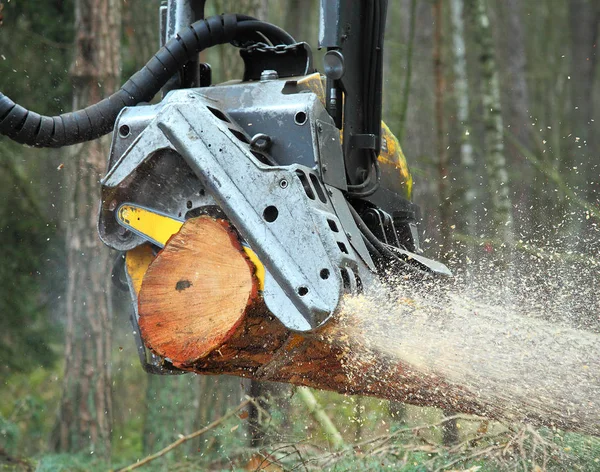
461, 93
500, 214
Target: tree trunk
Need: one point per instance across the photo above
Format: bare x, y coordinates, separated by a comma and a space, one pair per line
461, 92
495, 161
584, 20
450, 431
441, 135
299, 19
200, 306
84, 420
517, 113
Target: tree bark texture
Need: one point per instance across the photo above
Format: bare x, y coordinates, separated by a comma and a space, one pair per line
468, 194
517, 115
495, 160
441, 134
584, 20
301, 19
241, 338
450, 431
85, 414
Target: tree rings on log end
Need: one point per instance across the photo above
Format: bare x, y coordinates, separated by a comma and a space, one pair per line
196, 292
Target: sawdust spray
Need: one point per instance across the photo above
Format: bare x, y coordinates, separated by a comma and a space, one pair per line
527, 347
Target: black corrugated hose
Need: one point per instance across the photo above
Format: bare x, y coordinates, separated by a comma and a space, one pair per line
27, 127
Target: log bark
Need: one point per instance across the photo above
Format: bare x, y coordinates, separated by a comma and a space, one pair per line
200, 307
224, 327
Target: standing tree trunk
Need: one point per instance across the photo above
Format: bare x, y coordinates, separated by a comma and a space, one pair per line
441, 135
461, 92
495, 161
84, 419
584, 19
408, 72
517, 114
299, 20
450, 431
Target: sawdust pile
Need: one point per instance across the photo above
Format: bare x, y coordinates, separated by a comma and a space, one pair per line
500, 344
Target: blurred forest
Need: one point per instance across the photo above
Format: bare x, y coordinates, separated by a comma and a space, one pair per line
494, 103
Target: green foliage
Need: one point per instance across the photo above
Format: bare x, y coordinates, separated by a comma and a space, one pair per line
9, 434
71, 463
35, 42
35, 45
26, 333
29, 401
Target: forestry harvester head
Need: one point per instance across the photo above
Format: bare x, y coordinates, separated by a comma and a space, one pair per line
296, 163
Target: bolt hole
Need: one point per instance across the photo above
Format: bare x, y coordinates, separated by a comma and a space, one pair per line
124, 131
324, 274
302, 291
300, 118
189, 204
283, 183
270, 214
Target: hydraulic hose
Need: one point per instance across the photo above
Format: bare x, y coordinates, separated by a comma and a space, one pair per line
28, 127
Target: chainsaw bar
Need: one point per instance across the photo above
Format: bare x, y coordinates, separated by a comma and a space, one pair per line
157, 228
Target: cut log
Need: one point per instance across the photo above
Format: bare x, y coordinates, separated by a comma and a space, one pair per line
201, 308
197, 291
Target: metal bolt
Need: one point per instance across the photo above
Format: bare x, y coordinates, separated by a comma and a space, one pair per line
269, 75
319, 128
124, 131
283, 183
349, 236
324, 167
123, 233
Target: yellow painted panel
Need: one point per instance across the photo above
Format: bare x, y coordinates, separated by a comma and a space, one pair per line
148, 223
158, 228
137, 262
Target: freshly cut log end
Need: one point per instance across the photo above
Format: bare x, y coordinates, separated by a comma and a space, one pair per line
196, 292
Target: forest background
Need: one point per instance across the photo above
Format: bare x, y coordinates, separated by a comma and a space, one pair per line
494, 105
